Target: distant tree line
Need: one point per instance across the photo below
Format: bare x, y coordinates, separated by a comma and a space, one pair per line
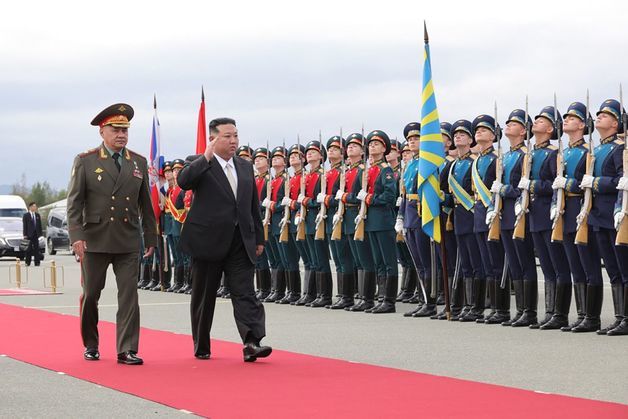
41, 192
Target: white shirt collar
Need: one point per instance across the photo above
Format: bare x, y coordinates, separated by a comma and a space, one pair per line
224, 162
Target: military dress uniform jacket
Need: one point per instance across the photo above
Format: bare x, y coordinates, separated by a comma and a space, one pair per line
574, 158
485, 165
312, 189
608, 169
277, 193
509, 192
353, 182
542, 176
295, 188
447, 204
106, 207
461, 174
409, 208
381, 198
333, 185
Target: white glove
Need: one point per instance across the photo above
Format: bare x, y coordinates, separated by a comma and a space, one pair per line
398, 203
282, 223
362, 195
358, 220
339, 195
623, 183
266, 203
285, 202
559, 183
297, 220
587, 182
490, 216
496, 186
399, 226
336, 219
319, 217
553, 213
518, 209
524, 183
320, 198
618, 219
300, 198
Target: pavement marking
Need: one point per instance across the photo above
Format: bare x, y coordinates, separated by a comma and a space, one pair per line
60, 373
187, 412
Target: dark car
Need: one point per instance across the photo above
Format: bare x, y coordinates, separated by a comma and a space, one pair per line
11, 238
57, 231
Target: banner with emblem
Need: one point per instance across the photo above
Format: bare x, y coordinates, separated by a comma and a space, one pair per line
431, 153
153, 164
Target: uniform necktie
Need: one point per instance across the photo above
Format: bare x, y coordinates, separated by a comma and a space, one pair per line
34, 222
231, 179
116, 160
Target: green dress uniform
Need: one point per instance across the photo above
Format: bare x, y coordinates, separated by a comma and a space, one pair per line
105, 206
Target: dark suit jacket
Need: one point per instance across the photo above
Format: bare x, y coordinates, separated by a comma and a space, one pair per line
215, 212
28, 228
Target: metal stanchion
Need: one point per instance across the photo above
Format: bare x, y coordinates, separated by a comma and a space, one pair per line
19, 279
54, 277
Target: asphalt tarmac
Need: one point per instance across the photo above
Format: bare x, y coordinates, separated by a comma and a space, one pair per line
581, 365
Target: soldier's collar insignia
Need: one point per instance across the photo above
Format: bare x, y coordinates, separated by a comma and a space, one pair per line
541, 145
609, 139
517, 147
98, 170
577, 143
487, 151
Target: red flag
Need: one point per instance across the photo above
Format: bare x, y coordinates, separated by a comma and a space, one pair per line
201, 129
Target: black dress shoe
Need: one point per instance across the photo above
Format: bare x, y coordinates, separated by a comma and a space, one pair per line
129, 358
252, 351
91, 354
201, 356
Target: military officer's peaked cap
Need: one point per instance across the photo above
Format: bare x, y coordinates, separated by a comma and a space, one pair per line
464, 126
445, 129
612, 107
336, 141
548, 113
296, 149
279, 151
260, 152
404, 147
117, 115
394, 145
380, 136
519, 115
579, 110
488, 122
177, 163
411, 130
244, 150
316, 145
167, 167
355, 138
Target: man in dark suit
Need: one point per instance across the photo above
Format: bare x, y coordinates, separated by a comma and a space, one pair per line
31, 230
223, 234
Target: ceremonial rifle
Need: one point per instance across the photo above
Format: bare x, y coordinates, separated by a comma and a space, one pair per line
557, 225
284, 233
336, 232
582, 226
520, 222
322, 211
302, 209
402, 192
495, 227
359, 225
269, 189
622, 229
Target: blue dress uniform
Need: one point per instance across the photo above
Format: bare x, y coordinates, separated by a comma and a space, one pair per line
519, 253
345, 268
462, 200
447, 223
551, 255
379, 224
417, 241
583, 259
492, 253
318, 249
607, 171
360, 250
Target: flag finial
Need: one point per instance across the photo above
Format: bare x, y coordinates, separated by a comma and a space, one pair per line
154, 101
202, 93
425, 36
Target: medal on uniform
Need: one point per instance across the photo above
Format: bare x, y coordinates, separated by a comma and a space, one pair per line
99, 178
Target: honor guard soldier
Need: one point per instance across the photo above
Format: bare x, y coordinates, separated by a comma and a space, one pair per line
582, 258
409, 294
380, 197
108, 203
335, 178
355, 176
607, 172
519, 253
183, 204
483, 172
286, 250
446, 216
172, 222
246, 152
318, 248
409, 223
463, 202
270, 257
552, 258
296, 158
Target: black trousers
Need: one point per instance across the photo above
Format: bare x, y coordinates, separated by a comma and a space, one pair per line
33, 251
247, 310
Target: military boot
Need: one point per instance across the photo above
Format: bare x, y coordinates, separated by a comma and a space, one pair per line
530, 303
282, 280
381, 291
622, 329
517, 285
309, 289
492, 296
591, 322
358, 301
580, 295
617, 291
561, 313
390, 292
178, 279
550, 304
479, 296
502, 303
145, 277
346, 300
324, 285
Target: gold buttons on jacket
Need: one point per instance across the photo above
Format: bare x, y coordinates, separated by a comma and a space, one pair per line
113, 208
111, 218
128, 199
113, 198
125, 220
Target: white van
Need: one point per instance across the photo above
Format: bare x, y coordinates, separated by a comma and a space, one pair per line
12, 208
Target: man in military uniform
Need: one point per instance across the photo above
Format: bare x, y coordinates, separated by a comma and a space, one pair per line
108, 195
175, 215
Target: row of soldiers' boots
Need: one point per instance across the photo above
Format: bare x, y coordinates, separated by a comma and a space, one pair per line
182, 280
591, 322
346, 285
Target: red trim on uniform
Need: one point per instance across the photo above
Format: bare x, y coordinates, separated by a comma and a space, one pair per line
374, 172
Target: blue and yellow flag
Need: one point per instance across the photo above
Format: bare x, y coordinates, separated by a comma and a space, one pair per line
431, 154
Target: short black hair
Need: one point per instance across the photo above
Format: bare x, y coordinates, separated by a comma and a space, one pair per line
31, 204
215, 123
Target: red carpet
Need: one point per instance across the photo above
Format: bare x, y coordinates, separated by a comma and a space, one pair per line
284, 385
24, 291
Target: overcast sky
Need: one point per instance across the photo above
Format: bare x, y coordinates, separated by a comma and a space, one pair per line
283, 68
